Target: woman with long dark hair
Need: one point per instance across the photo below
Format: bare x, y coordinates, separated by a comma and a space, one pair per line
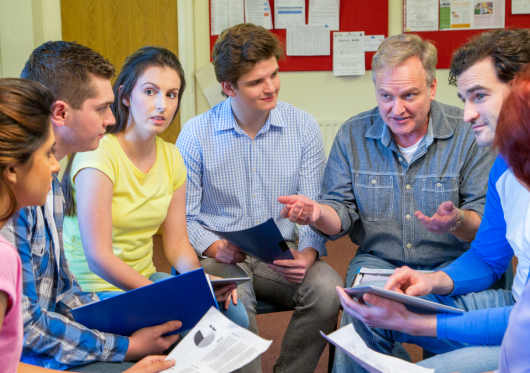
119, 195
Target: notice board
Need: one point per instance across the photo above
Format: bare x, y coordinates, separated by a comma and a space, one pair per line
450, 40
370, 16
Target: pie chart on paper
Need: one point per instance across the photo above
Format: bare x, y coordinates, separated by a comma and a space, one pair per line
204, 337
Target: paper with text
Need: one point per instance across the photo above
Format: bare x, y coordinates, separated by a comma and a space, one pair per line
348, 53
209, 84
216, 345
225, 14
471, 14
258, 12
324, 13
308, 41
351, 343
372, 42
520, 6
289, 13
421, 15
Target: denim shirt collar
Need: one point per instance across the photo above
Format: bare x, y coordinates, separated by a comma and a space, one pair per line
438, 127
227, 120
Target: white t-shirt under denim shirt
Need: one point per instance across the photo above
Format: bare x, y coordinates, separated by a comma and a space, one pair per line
409, 152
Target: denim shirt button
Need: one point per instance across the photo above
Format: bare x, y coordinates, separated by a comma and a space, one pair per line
400, 159
407, 216
438, 185
409, 246
374, 181
407, 186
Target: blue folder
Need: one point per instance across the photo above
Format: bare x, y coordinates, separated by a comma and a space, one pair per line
185, 298
263, 242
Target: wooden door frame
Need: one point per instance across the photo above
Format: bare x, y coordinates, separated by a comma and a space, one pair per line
186, 44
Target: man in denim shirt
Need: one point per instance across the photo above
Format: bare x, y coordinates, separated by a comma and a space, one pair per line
406, 180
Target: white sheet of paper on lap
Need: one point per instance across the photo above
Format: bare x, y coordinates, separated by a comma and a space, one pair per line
216, 345
351, 343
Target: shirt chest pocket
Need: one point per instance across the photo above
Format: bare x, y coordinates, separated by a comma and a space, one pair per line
40, 256
436, 190
375, 196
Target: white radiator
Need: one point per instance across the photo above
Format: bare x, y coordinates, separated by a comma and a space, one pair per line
329, 128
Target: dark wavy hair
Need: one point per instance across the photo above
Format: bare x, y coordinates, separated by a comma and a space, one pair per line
240, 48
509, 49
25, 109
512, 136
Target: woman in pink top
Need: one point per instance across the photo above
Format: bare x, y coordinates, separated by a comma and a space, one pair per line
26, 167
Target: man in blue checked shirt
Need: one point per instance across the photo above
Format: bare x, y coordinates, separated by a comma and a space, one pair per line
79, 78
241, 155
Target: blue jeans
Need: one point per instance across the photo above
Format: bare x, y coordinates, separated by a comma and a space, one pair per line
453, 356
236, 313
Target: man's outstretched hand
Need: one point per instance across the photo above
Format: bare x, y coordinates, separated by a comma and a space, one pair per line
300, 209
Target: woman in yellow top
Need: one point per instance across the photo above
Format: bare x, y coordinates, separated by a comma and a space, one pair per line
120, 194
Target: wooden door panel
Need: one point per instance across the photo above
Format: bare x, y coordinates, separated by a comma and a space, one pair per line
117, 28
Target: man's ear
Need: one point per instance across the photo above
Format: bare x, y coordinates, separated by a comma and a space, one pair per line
229, 88
60, 113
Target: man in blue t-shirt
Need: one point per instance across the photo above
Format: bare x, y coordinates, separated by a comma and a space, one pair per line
482, 70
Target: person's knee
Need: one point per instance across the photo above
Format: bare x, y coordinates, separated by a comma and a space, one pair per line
238, 314
322, 289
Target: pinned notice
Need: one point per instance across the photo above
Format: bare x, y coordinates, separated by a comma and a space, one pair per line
348, 53
225, 14
258, 12
308, 41
324, 13
288, 13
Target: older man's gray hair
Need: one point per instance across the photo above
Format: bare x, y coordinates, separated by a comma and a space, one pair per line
395, 50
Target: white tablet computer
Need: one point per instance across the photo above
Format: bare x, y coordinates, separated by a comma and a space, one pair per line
413, 304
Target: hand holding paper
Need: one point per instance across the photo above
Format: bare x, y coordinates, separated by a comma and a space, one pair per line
352, 344
216, 345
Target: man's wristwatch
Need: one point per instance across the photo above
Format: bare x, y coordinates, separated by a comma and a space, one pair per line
457, 223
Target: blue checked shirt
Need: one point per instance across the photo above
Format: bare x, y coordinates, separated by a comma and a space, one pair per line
51, 338
234, 182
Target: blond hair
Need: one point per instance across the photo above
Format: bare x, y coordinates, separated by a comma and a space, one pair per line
395, 50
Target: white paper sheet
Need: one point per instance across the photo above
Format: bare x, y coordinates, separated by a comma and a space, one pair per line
421, 15
324, 13
308, 41
348, 53
520, 6
258, 12
209, 84
351, 343
471, 14
372, 42
288, 13
216, 345
225, 14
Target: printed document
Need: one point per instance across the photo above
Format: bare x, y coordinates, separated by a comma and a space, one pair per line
288, 13
421, 15
372, 42
209, 84
520, 6
258, 12
324, 13
348, 53
216, 345
468, 14
351, 343
225, 14
308, 41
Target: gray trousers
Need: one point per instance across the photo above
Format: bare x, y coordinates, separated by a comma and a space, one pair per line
315, 301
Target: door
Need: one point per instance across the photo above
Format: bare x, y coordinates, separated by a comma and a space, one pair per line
117, 28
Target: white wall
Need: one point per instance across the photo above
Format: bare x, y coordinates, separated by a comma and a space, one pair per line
24, 25
319, 93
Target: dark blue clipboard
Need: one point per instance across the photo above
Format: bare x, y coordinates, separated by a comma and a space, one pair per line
185, 298
263, 242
